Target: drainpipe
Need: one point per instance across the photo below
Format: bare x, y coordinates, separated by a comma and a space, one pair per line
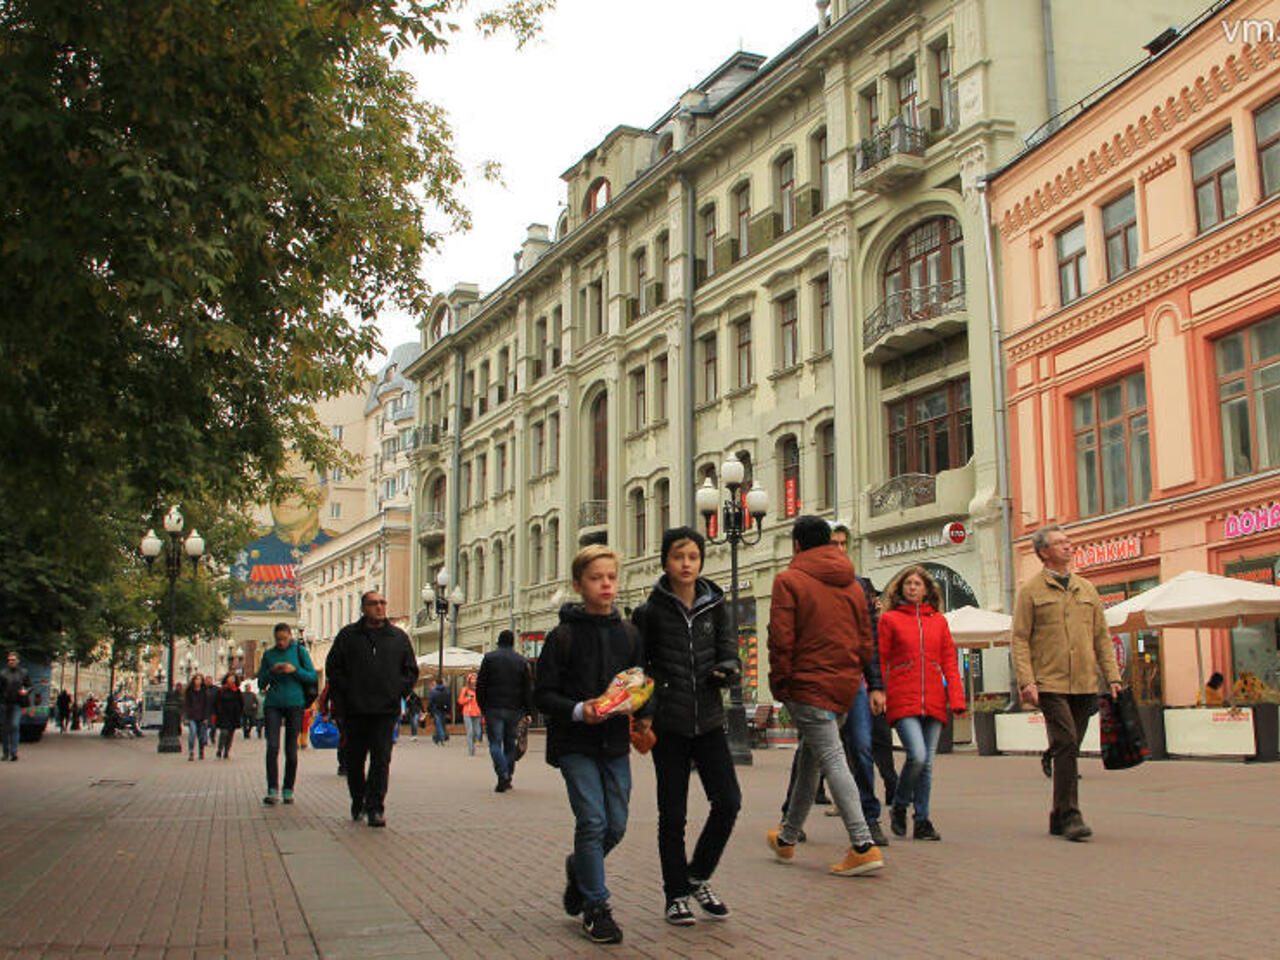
455, 496
1050, 67
997, 363
686, 352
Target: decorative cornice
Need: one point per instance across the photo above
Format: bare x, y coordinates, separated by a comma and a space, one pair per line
1142, 134
1166, 162
1144, 288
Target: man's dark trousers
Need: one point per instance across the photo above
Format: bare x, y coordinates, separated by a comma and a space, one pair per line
503, 727
369, 735
1066, 717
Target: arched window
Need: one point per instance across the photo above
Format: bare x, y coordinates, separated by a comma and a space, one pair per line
789, 461
600, 447
597, 196
925, 267
562, 226
499, 570
441, 324
639, 522
438, 496
535, 554
479, 573
553, 548
666, 144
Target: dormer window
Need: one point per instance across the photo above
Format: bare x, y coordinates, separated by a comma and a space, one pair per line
597, 196
440, 325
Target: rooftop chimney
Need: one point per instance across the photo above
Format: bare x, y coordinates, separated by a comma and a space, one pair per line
822, 6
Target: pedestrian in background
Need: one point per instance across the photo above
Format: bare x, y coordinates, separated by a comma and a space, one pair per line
90, 710
504, 694
64, 711
691, 655
438, 703
819, 639
283, 673
918, 657
371, 667
195, 710
413, 707
228, 712
15, 692
248, 708
470, 713
1060, 643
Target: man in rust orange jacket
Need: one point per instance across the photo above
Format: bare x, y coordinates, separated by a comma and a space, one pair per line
819, 637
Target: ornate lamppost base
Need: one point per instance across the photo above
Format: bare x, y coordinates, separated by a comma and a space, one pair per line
739, 736
171, 725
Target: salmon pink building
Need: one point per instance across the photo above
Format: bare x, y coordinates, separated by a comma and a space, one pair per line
1138, 252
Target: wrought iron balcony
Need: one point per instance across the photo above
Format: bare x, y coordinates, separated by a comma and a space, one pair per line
431, 524
593, 513
908, 308
903, 492
890, 157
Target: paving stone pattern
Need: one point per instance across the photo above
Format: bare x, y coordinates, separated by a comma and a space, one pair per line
111, 850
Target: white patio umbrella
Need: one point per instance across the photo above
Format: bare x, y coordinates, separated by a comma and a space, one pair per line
975, 628
1197, 599
972, 627
456, 660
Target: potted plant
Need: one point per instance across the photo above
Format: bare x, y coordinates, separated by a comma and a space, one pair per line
984, 710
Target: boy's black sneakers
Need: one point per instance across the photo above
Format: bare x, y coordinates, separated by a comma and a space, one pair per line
678, 912
898, 820
599, 927
924, 830
572, 895
711, 905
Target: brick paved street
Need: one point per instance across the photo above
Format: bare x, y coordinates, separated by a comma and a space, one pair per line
109, 850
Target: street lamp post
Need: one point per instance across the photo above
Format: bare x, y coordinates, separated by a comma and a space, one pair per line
193, 548
736, 525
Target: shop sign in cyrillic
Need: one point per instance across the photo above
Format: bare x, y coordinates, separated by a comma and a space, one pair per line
1108, 551
1251, 521
950, 535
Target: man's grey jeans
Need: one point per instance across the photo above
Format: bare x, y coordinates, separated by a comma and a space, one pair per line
821, 752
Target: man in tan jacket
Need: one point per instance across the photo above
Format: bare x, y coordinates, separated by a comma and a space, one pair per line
1060, 641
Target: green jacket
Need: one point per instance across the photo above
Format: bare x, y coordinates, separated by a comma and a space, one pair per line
285, 689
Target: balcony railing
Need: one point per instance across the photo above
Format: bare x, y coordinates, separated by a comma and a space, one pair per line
593, 513
907, 307
903, 492
897, 137
431, 522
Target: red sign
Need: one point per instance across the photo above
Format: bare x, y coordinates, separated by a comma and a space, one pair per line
1109, 551
791, 501
713, 525
955, 532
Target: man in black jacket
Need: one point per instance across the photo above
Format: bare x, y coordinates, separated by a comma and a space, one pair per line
504, 694
15, 688
370, 667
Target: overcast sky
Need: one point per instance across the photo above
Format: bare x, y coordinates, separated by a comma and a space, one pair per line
597, 64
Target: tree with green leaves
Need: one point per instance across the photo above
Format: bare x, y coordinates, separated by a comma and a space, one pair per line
204, 206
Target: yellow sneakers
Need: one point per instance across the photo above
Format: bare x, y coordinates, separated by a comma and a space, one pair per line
785, 852
855, 863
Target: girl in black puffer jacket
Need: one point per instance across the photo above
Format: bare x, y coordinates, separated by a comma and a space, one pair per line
691, 655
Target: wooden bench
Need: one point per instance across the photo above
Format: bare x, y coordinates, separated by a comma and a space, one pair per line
759, 725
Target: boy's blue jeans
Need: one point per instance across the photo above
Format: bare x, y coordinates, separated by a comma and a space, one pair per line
599, 792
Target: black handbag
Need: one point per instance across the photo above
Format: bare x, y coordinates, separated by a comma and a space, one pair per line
1124, 744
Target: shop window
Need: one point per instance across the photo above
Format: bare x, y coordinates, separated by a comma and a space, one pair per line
1213, 173
931, 431
1137, 654
1112, 445
1255, 650
1073, 262
1248, 364
1266, 131
1120, 231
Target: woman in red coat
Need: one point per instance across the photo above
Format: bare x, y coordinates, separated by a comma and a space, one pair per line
918, 660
